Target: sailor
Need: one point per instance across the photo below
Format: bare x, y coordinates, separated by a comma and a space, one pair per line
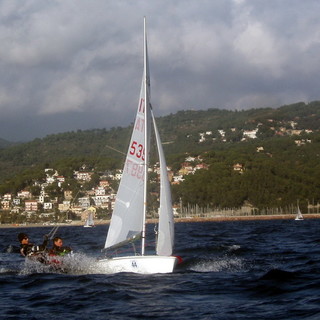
58, 248
29, 249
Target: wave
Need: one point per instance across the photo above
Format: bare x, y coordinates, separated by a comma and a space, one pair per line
278, 275
218, 264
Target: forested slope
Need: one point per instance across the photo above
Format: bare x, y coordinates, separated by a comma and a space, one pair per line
281, 172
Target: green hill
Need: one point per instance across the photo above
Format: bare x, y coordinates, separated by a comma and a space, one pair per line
276, 175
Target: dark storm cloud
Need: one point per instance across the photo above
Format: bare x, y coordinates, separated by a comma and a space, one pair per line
77, 64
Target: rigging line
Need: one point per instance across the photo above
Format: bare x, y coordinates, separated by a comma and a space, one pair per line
54, 230
115, 150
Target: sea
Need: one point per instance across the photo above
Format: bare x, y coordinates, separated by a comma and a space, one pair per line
262, 269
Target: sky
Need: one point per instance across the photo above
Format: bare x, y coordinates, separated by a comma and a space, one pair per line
68, 65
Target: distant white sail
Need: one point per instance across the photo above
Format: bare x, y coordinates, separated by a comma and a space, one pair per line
299, 215
89, 221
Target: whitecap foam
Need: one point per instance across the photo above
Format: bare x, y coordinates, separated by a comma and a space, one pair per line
234, 247
218, 265
74, 264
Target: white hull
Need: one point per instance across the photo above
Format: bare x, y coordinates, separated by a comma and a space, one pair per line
138, 264
298, 219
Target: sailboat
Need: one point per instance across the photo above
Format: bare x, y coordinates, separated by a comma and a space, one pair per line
299, 215
89, 223
128, 221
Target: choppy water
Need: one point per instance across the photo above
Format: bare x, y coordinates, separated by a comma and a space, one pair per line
231, 270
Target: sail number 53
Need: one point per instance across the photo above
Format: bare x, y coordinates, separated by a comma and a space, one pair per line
137, 150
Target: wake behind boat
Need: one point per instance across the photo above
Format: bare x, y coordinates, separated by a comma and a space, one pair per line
129, 215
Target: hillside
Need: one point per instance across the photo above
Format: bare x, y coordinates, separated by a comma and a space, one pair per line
5, 143
288, 138
180, 133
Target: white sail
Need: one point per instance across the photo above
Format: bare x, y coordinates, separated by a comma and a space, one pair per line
128, 215
166, 224
299, 215
89, 221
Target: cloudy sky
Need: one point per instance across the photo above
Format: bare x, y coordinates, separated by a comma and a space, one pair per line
77, 64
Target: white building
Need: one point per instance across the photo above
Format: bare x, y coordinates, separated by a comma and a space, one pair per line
7, 196
47, 206
24, 194
118, 175
64, 206
99, 191
84, 202
16, 201
202, 137
252, 134
102, 200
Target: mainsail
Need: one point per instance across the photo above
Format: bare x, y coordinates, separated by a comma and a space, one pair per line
129, 211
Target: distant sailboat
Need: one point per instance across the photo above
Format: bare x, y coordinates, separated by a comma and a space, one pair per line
129, 214
299, 215
89, 221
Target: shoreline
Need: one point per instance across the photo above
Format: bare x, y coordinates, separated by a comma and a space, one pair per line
176, 220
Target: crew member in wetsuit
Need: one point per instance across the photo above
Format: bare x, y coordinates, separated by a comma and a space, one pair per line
29, 249
58, 248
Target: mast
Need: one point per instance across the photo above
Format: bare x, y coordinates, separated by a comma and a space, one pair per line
146, 147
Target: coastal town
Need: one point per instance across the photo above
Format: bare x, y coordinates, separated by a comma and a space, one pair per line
38, 204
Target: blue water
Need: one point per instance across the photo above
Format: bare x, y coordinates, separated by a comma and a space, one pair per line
231, 270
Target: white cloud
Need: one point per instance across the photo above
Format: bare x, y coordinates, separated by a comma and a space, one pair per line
260, 49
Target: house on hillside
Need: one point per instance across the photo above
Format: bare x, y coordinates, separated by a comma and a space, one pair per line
201, 166
24, 194
186, 169
47, 206
104, 183
64, 206
16, 201
84, 202
177, 179
83, 176
31, 205
7, 196
202, 137
99, 191
118, 175
5, 204
101, 201
251, 134
67, 194
60, 180
238, 167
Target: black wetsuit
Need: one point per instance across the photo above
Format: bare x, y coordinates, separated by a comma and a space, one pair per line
30, 249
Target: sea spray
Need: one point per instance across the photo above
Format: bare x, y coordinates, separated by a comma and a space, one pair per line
73, 264
218, 264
